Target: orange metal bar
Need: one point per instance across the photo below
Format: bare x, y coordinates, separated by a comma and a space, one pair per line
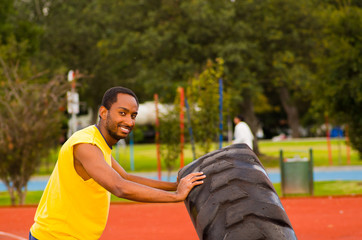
182, 126
157, 138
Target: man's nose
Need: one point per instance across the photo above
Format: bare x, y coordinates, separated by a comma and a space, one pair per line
129, 121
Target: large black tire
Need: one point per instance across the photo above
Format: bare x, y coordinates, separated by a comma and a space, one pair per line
237, 199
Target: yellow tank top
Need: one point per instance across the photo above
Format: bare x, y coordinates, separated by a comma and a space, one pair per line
70, 207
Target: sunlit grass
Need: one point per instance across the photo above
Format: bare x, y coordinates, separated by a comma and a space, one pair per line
145, 155
32, 197
319, 147
328, 188
145, 159
331, 188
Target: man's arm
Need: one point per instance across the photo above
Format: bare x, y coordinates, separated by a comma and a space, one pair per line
167, 186
92, 160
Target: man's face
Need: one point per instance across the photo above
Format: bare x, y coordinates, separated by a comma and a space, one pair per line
236, 120
121, 117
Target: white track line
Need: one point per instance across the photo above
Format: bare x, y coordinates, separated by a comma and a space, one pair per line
12, 236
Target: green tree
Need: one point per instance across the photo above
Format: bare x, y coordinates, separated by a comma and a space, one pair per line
165, 49
5, 12
29, 117
115, 43
170, 135
287, 39
72, 32
339, 91
203, 98
156, 46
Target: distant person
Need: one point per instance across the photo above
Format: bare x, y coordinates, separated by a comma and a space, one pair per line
76, 200
242, 132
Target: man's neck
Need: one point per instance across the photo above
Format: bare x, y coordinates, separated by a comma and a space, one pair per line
109, 140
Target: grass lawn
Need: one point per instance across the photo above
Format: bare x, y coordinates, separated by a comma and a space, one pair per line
300, 147
145, 157
328, 188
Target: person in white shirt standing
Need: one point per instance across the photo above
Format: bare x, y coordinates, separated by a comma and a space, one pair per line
242, 132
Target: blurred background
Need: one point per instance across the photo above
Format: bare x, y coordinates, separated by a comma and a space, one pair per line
293, 69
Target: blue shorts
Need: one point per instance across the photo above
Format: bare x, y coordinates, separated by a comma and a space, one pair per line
31, 237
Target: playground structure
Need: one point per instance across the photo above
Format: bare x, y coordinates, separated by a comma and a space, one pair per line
150, 112
153, 116
113, 227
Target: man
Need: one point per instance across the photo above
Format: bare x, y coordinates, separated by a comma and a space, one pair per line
242, 133
76, 200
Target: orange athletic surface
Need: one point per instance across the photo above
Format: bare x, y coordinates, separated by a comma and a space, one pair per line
318, 218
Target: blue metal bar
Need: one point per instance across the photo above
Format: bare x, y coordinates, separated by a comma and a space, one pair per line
190, 129
131, 145
220, 112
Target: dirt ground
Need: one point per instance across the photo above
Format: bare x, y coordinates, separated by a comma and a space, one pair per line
324, 218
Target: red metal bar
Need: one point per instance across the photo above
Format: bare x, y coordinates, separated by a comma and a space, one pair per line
157, 138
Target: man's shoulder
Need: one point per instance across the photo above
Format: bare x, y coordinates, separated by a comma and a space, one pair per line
87, 131
241, 124
86, 135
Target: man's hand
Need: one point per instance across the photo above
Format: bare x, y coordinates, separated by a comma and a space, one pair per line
187, 183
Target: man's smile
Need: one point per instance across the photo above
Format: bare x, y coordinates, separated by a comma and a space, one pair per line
125, 129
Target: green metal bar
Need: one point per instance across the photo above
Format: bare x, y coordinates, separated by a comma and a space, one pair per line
282, 171
311, 179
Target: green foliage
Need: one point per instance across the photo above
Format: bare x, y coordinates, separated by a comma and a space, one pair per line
170, 131
288, 40
29, 116
282, 58
340, 66
5, 25
138, 133
203, 98
15, 23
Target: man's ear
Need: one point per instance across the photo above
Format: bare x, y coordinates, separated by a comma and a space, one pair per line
103, 112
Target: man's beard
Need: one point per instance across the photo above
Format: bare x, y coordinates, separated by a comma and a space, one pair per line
112, 133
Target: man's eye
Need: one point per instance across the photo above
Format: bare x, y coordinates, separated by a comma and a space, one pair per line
122, 113
134, 116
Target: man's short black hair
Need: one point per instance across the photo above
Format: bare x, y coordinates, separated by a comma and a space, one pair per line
110, 96
241, 117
